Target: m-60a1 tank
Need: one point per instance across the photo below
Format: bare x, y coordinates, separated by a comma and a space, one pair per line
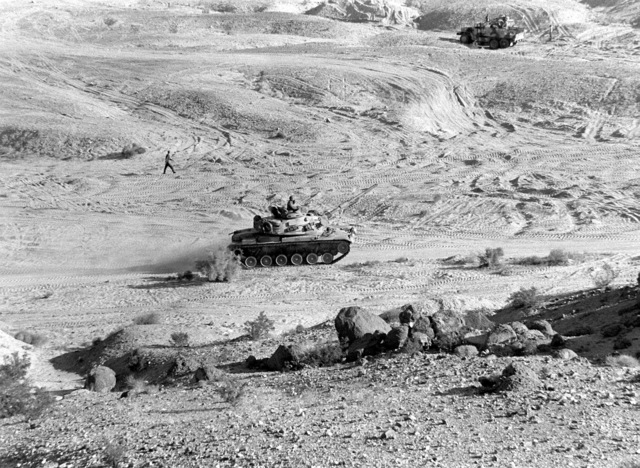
287, 238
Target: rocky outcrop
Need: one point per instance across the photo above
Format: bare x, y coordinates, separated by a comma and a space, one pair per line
101, 379
501, 335
353, 323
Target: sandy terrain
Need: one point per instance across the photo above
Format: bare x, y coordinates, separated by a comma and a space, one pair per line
429, 148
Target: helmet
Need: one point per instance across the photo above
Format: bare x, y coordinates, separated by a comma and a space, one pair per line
291, 198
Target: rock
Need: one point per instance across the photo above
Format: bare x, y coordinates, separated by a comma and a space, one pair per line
502, 334
423, 325
101, 379
632, 322
397, 337
466, 351
519, 328
558, 341
479, 340
207, 372
353, 323
449, 329
543, 326
408, 315
421, 339
285, 358
367, 345
533, 335
611, 330
566, 354
184, 365
517, 376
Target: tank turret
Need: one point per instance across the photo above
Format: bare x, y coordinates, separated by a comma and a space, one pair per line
291, 238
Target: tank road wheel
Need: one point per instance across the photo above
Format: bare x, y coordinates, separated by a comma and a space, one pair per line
494, 44
343, 248
296, 259
504, 43
465, 38
327, 257
312, 258
266, 261
281, 260
250, 262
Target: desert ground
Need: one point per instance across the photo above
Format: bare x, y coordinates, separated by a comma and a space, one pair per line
431, 149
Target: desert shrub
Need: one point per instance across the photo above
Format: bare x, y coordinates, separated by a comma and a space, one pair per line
603, 276
491, 258
260, 327
180, 339
152, 318
131, 150
220, 265
31, 338
401, 260
17, 396
580, 330
135, 385
558, 257
109, 21
231, 390
525, 298
115, 452
174, 27
622, 360
322, 354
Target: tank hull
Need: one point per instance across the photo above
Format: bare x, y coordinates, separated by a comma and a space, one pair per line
282, 244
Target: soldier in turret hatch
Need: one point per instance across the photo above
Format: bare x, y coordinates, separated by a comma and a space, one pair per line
292, 206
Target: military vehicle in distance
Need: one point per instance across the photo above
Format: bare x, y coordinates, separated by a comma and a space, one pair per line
287, 238
500, 32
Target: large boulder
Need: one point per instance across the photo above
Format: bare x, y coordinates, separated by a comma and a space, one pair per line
367, 345
353, 323
397, 337
479, 340
423, 325
101, 379
519, 327
449, 329
466, 351
543, 326
421, 340
284, 358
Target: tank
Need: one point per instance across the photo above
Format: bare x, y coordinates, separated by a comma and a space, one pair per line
291, 239
498, 33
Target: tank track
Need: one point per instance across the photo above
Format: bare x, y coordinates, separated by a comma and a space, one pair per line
337, 248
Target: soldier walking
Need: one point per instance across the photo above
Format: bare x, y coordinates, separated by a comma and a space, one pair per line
167, 163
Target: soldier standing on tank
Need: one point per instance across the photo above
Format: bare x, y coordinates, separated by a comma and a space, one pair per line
167, 163
292, 206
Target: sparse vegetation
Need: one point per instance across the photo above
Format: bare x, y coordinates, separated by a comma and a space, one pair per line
152, 318
220, 265
115, 452
180, 339
557, 257
31, 338
525, 298
324, 353
231, 390
131, 150
622, 360
260, 327
109, 21
603, 276
17, 396
135, 385
490, 258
